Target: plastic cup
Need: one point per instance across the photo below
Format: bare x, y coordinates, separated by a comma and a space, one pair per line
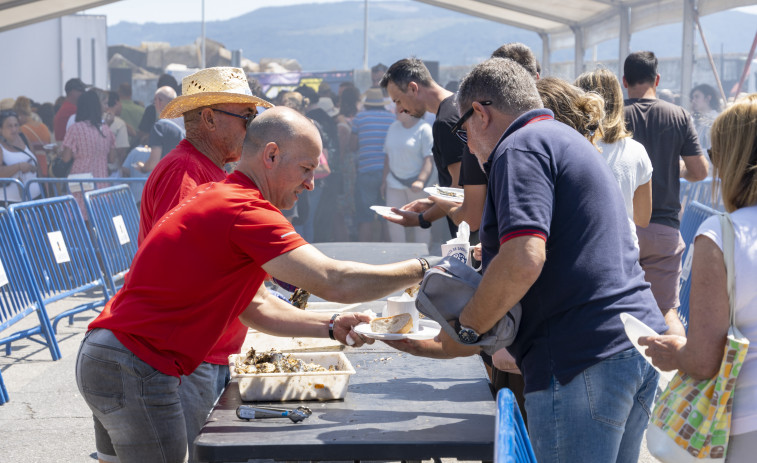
460, 251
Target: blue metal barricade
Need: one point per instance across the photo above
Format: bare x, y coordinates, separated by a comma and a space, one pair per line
693, 217
62, 257
19, 297
12, 185
4, 397
512, 444
114, 216
52, 187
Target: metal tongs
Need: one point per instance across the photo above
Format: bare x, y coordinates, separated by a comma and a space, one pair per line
248, 412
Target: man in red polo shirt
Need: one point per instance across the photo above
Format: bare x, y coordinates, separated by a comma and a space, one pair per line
216, 104
197, 271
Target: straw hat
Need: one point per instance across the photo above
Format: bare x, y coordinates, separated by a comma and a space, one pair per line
375, 97
212, 86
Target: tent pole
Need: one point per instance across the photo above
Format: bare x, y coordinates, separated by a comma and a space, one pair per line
709, 56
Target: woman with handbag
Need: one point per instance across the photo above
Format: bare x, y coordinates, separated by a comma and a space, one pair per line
88, 142
701, 354
16, 159
408, 165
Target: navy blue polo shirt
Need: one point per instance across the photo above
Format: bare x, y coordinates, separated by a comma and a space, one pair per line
547, 180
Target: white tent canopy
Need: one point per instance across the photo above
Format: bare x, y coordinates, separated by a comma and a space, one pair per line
560, 23
17, 13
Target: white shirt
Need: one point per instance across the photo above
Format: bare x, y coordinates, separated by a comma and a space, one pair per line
406, 150
632, 168
744, 417
118, 127
12, 193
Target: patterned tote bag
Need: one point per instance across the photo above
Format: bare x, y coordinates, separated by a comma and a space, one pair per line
691, 420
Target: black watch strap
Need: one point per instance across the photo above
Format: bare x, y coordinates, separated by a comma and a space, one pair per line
422, 222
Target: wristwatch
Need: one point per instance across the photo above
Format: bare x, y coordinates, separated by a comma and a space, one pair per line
466, 335
423, 222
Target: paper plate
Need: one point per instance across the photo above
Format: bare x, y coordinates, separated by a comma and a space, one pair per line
635, 329
385, 211
453, 194
428, 330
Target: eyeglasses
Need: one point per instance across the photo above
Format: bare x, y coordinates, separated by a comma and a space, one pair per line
247, 119
457, 128
8, 113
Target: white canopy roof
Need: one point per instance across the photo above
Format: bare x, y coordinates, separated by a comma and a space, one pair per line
560, 23
596, 20
17, 13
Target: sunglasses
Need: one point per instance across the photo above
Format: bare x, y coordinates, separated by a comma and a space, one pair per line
457, 128
247, 119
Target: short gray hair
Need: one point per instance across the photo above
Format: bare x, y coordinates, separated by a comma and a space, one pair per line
504, 82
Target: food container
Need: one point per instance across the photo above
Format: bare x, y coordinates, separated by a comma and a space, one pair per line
263, 342
317, 385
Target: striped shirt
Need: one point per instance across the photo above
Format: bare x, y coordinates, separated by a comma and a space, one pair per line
371, 127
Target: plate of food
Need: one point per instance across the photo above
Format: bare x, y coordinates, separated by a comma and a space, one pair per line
385, 211
450, 194
398, 327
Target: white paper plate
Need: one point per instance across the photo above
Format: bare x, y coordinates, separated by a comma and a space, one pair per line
635, 329
456, 194
385, 211
428, 330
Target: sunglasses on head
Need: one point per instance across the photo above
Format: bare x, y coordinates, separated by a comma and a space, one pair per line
457, 129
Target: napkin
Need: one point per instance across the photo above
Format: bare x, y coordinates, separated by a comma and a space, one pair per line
463, 234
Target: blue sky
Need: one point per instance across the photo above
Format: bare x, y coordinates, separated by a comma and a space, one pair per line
166, 11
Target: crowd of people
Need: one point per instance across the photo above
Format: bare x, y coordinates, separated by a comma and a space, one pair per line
571, 191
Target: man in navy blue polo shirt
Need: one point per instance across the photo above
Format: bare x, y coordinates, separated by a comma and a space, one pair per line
555, 237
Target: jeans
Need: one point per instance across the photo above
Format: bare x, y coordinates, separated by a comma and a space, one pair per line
199, 392
600, 415
137, 405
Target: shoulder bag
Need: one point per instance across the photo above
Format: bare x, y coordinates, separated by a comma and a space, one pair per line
446, 289
691, 420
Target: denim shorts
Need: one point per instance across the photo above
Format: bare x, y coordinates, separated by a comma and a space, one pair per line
137, 407
600, 415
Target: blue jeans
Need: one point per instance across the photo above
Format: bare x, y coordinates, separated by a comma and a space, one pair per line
137, 405
600, 415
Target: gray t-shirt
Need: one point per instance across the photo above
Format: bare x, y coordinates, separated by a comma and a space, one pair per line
166, 134
667, 133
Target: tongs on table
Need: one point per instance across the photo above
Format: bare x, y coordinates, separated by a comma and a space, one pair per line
248, 412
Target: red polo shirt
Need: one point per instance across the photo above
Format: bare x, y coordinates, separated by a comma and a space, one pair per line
195, 273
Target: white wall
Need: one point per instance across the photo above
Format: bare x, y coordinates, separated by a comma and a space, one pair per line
41, 57
31, 54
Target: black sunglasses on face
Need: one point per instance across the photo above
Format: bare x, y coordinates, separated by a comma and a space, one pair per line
457, 128
247, 119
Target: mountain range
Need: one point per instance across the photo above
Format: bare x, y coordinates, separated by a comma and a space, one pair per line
323, 37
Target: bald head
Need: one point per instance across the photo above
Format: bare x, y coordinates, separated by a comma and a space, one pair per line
280, 125
163, 96
280, 154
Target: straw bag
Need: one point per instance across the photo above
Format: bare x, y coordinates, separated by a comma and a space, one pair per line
691, 421
446, 289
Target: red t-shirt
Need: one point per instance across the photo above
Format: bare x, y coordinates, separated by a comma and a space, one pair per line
173, 178
61, 119
196, 273
177, 174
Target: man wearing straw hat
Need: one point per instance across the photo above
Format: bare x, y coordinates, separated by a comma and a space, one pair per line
203, 267
216, 104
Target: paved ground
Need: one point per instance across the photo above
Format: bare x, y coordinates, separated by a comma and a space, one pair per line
46, 419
